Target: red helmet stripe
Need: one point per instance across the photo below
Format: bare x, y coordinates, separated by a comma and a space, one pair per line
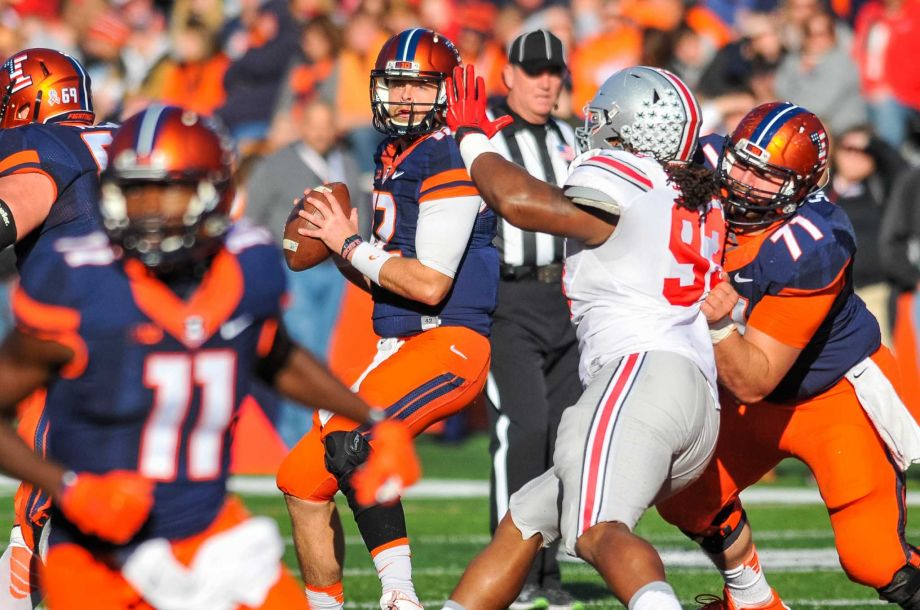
691, 109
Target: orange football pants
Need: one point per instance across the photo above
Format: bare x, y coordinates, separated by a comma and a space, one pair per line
432, 376
906, 343
76, 579
863, 489
30, 504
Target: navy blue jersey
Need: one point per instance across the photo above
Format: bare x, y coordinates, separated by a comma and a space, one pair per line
801, 257
431, 168
804, 256
156, 381
72, 157
708, 150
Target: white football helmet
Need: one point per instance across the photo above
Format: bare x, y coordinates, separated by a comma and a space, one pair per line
644, 110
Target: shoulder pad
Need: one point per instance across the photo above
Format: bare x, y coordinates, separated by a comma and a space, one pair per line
709, 150
245, 234
807, 253
46, 278
611, 179
439, 152
93, 249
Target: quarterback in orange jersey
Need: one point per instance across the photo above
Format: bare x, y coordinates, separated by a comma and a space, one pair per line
50, 157
802, 369
433, 273
148, 335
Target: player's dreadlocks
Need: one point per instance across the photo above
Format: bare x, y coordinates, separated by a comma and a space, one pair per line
697, 185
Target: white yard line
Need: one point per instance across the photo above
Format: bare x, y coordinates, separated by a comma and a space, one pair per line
469, 488
682, 560
472, 488
687, 603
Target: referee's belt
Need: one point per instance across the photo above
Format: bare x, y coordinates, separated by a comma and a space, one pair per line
548, 274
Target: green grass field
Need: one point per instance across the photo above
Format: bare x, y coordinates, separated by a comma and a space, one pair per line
447, 533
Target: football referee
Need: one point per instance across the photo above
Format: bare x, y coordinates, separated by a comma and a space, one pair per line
534, 372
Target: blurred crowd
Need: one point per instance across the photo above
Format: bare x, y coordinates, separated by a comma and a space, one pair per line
290, 77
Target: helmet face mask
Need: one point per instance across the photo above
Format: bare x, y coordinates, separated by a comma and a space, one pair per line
643, 110
411, 117
597, 132
764, 197
167, 191
420, 58
165, 225
771, 163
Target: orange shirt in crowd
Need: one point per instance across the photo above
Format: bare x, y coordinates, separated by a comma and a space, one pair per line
597, 59
667, 15
198, 86
352, 96
489, 65
305, 77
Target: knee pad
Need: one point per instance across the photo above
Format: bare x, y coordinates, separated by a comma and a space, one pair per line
345, 451
904, 588
724, 530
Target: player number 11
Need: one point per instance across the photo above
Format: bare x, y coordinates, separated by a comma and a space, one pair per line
174, 377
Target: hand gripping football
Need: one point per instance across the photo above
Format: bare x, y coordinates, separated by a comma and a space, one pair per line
301, 252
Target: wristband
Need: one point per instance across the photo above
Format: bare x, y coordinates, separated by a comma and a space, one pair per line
721, 329
68, 480
7, 226
376, 415
466, 130
369, 260
473, 145
350, 244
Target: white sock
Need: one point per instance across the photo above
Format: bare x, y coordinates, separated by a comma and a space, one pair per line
747, 584
452, 605
656, 595
394, 567
326, 598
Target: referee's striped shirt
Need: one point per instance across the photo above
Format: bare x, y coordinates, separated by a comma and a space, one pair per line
545, 152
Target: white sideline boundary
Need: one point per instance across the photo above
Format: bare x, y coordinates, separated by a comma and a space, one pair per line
471, 488
429, 489
686, 603
676, 560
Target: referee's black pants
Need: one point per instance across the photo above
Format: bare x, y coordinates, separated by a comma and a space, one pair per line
534, 377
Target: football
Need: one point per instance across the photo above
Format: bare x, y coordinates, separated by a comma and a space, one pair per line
301, 252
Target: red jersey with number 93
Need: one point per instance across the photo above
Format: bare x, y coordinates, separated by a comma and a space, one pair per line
641, 289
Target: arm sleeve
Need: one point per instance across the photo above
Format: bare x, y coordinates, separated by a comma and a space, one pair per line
444, 229
448, 207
